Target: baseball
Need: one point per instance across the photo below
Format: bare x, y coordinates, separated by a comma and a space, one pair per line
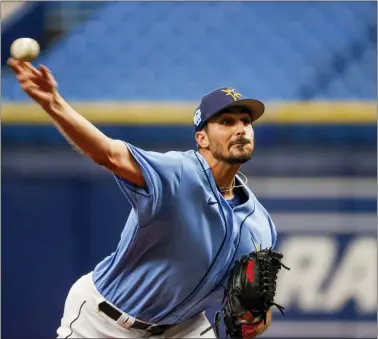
24, 49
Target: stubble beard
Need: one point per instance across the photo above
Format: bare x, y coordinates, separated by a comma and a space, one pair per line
241, 157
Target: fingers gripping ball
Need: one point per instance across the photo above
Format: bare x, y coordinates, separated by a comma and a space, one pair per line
24, 49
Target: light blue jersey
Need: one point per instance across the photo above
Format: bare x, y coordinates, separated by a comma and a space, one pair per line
180, 240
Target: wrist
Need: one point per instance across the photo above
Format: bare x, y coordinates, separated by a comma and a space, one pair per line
252, 317
252, 330
254, 324
55, 105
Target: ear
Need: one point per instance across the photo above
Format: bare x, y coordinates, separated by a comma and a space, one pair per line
202, 139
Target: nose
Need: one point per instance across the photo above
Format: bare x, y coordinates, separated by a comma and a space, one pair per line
241, 128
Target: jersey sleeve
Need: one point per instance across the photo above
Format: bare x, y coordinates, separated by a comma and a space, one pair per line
162, 173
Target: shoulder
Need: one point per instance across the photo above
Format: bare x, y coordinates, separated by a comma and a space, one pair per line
260, 207
181, 156
185, 156
257, 203
166, 158
189, 160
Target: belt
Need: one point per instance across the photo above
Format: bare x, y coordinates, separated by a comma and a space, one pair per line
114, 314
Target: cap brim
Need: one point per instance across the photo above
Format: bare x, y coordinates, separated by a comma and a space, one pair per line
256, 107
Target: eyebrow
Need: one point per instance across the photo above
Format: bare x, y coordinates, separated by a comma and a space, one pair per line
229, 115
242, 110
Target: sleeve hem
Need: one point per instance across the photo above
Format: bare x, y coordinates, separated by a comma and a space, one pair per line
146, 191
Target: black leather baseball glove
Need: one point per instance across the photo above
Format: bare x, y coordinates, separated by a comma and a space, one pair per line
251, 289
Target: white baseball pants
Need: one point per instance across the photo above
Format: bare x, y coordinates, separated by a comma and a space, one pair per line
82, 319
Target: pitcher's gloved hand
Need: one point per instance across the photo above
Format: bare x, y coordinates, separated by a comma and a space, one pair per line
251, 289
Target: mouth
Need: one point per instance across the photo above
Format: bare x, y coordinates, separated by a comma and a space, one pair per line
241, 143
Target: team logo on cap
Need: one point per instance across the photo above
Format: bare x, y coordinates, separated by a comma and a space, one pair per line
231, 92
197, 117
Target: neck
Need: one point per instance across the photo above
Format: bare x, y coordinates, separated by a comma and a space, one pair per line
224, 174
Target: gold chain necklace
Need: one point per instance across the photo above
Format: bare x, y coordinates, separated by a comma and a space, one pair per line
225, 189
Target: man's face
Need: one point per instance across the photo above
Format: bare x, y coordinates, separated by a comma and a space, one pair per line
230, 136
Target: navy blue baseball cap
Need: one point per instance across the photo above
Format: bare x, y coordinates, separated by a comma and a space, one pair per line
221, 99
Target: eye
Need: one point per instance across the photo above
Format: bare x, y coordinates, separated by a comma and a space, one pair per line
247, 121
226, 121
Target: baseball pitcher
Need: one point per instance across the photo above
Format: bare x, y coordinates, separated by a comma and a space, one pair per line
196, 235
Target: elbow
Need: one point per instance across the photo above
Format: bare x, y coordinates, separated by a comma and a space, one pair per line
105, 161
107, 157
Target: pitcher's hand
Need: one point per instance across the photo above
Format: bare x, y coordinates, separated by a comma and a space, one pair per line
39, 85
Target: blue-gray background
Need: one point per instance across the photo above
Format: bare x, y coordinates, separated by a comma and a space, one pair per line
61, 214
